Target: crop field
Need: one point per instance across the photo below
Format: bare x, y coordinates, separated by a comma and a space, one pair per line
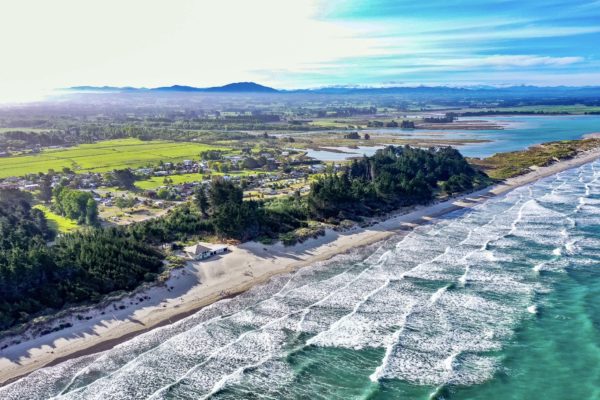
103, 156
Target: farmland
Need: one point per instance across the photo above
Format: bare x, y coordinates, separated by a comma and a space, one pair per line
103, 156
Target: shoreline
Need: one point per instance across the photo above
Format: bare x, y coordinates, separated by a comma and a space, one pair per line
202, 283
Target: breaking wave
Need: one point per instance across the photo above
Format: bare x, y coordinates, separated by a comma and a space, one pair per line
433, 308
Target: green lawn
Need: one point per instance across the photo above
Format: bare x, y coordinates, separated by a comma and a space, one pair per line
157, 181
103, 156
57, 222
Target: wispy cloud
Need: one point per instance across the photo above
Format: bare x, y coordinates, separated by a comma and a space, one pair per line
290, 43
440, 40
511, 61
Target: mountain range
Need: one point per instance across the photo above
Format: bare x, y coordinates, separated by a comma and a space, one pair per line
252, 87
238, 87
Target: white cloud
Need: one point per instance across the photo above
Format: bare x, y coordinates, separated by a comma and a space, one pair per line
512, 61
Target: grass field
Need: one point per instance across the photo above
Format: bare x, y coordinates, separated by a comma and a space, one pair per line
57, 222
103, 156
157, 181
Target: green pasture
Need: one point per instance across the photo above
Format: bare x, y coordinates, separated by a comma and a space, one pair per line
158, 181
103, 156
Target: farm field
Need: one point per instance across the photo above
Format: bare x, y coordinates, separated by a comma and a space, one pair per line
103, 156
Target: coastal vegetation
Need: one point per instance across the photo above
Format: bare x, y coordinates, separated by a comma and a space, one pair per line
79, 267
394, 177
507, 165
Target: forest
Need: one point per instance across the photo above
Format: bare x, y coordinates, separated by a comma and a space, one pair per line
36, 278
394, 177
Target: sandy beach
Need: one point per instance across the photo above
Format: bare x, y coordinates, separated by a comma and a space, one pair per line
204, 282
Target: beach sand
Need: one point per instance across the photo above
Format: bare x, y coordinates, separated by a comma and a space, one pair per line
204, 282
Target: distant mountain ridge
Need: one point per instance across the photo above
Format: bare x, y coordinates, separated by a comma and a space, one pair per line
237, 87
252, 87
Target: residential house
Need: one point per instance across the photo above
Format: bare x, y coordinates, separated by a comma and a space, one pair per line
204, 250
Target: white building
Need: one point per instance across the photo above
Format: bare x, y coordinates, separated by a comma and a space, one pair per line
204, 250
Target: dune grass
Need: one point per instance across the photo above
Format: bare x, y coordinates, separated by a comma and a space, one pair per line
507, 165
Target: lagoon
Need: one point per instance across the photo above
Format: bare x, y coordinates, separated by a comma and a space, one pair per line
519, 133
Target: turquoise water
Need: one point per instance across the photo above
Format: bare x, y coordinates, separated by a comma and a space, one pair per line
497, 302
519, 132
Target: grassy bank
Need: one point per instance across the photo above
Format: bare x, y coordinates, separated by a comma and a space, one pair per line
507, 165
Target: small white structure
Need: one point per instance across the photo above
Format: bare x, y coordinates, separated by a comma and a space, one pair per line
205, 250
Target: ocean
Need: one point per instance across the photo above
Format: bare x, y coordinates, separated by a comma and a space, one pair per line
500, 301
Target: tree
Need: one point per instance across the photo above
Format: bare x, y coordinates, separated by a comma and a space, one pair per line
202, 200
125, 202
91, 212
223, 191
46, 188
250, 163
76, 205
124, 178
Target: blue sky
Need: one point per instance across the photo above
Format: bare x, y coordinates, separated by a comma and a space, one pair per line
296, 43
467, 42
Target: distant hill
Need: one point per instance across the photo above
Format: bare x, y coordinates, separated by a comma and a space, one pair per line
412, 91
103, 89
238, 87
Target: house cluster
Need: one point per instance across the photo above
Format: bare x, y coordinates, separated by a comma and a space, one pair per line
169, 168
33, 182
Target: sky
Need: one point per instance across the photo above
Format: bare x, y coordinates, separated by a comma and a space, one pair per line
288, 44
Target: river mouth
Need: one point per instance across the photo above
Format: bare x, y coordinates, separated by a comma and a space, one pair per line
518, 133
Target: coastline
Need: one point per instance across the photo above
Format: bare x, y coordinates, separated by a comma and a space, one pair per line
202, 283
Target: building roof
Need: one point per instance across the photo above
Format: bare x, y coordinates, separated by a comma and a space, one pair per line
201, 248
196, 249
